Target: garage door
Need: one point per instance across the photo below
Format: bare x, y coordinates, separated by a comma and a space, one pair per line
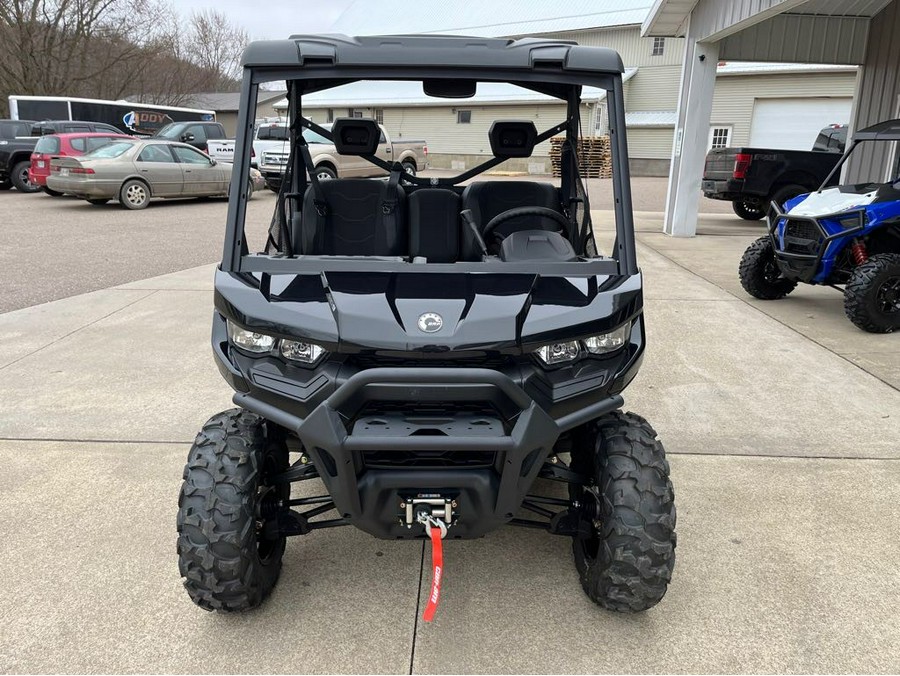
793, 124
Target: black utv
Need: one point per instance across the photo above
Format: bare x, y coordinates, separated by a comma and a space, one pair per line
428, 347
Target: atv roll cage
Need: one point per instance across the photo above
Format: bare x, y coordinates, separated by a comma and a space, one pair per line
556, 69
888, 130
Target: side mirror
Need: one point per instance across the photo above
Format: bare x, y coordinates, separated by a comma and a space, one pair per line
187, 137
212, 162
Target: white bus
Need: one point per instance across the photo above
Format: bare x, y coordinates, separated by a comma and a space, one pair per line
132, 118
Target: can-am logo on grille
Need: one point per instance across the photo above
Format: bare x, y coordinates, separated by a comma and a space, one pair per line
430, 322
145, 121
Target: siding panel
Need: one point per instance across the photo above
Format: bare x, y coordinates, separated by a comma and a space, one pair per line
878, 94
627, 41
735, 95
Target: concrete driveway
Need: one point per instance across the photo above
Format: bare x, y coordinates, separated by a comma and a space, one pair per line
782, 425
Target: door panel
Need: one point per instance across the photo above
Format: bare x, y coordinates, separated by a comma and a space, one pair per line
156, 164
200, 176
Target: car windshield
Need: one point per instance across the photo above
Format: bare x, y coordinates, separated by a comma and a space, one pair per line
110, 150
172, 130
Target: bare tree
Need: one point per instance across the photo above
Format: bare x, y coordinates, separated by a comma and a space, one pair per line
216, 45
114, 49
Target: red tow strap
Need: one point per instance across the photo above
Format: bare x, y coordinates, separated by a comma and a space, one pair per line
437, 561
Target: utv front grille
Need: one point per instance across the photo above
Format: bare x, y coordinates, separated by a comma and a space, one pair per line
802, 237
368, 361
428, 459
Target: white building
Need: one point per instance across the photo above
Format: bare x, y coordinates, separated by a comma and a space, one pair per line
750, 104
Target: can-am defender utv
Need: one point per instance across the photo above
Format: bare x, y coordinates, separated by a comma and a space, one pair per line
848, 235
428, 350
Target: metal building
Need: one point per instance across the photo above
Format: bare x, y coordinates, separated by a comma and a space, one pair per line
848, 32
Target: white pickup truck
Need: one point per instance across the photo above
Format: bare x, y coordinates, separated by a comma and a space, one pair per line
206, 136
272, 149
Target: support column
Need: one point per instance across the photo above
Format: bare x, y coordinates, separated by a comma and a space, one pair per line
695, 98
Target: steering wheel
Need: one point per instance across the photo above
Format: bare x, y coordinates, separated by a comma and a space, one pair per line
540, 212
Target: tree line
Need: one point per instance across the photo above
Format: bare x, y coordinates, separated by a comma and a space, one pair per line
113, 49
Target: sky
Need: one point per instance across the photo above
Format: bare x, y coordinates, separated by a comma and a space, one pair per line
273, 19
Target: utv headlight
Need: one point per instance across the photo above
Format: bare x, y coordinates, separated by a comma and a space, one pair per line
249, 340
304, 353
558, 353
605, 343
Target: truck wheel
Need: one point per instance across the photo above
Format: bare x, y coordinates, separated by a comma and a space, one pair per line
872, 296
786, 192
325, 173
749, 210
19, 177
626, 563
227, 561
759, 272
409, 168
134, 195
52, 193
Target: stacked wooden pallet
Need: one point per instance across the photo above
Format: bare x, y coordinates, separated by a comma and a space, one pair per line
594, 159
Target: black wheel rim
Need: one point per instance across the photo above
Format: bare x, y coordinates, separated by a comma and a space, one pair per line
887, 298
589, 505
752, 209
268, 504
771, 273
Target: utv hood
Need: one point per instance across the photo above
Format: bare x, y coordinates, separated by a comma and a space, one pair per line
842, 198
428, 312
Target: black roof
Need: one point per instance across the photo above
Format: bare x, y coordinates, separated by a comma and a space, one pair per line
889, 130
430, 51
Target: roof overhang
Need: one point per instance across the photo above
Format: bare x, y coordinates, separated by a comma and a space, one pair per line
667, 18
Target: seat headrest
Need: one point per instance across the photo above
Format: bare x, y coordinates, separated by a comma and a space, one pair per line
355, 136
512, 138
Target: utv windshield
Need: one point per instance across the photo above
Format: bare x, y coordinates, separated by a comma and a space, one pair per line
437, 169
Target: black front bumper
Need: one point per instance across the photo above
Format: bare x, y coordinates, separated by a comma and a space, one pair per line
484, 462
803, 243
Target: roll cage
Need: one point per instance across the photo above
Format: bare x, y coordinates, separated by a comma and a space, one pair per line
315, 63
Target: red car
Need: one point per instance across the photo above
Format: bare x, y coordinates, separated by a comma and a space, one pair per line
53, 146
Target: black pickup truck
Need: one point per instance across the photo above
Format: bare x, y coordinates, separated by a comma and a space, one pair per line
751, 178
17, 141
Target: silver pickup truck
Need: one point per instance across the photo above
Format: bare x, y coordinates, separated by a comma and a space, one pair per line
271, 154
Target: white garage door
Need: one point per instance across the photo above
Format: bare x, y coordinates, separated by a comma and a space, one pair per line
793, 124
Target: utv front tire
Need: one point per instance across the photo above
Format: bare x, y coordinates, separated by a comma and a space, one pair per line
227, 561
759, 272
626, 563
872, 296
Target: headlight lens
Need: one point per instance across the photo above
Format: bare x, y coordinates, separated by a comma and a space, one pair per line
558, 353
608, 342
250, 340
604, 343
305, 353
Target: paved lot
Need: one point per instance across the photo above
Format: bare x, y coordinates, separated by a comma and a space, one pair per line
53, 248
781, 422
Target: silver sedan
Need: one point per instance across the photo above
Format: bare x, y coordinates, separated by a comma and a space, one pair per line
134, 171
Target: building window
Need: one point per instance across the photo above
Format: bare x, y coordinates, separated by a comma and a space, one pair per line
330, 116
352, 112
659, 46
379, 115
463, 116
719, 137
